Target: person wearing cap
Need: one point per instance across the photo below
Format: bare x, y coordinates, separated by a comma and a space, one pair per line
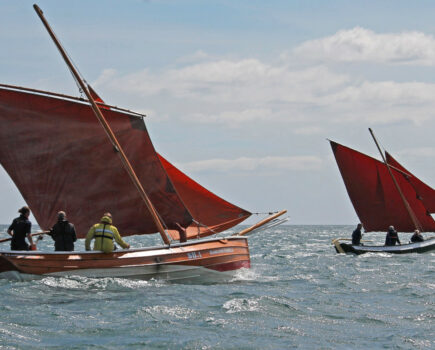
63, 233
356, 235
104, 233
417, 237
20, 229
392, 237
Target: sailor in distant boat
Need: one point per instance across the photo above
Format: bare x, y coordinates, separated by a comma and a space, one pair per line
63, 233
20, 229
104, 233
417, 237
356, 235
392, 237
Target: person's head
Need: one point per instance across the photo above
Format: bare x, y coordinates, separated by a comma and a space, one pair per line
107, 218
25, 211
61, 216
416, 232
391, 228
359, 226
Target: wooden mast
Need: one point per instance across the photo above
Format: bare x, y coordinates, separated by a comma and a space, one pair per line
405, 202
107, 129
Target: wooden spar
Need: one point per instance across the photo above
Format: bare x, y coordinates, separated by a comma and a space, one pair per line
33, 234
260, 223
405, 202
79, 99
107, 129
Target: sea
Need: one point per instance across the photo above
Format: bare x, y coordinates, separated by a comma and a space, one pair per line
298, 294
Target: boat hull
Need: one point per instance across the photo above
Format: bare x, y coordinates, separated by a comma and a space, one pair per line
419, 247
213, 258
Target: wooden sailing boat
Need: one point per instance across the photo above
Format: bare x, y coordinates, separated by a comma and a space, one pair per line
384, 194
61, 157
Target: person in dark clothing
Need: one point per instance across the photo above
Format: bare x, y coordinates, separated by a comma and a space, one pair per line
417, 237
356, 235
20, 229
63, 233
392, 237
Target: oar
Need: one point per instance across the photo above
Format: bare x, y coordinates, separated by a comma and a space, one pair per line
33, 234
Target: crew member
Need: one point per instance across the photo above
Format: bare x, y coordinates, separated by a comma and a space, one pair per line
63, 233
417, 237
104, 233
356, 235
20, 229
392, 237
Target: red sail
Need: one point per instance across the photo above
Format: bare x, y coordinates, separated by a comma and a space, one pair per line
213, 213
374, 196
59, 157
424, 192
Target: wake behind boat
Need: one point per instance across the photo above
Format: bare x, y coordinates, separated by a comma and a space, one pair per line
86, 157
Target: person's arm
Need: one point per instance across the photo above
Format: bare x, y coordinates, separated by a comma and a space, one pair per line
89, 237
11, 228
51, 233
29, 235
398, 240
73, 233
119, 239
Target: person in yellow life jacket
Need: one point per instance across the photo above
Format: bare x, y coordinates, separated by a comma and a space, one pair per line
104, 233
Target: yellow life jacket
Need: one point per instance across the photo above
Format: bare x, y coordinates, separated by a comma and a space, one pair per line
104, 233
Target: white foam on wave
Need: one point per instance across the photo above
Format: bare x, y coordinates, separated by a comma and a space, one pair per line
173, 311
241, 305
83, 283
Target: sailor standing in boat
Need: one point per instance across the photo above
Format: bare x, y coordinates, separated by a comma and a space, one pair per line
392, 237
20, 229
356, 235
63, 233
104, 233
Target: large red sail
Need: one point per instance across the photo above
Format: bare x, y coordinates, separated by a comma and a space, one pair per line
59, 157
374, 196
211, 213
424, 192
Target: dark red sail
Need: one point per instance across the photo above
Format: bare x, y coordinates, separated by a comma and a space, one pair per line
374, 196
213, 213
424, 192
59, 157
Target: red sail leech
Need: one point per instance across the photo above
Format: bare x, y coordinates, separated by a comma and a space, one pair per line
424, 192
213, 213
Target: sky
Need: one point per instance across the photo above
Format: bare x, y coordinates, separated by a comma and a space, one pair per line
243, 95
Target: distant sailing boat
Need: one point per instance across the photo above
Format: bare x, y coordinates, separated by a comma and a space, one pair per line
384, 194
86, 157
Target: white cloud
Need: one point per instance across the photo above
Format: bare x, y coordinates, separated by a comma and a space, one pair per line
237, 93
359, 44
247, 164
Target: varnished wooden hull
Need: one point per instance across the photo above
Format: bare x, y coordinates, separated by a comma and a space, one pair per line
204, 258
